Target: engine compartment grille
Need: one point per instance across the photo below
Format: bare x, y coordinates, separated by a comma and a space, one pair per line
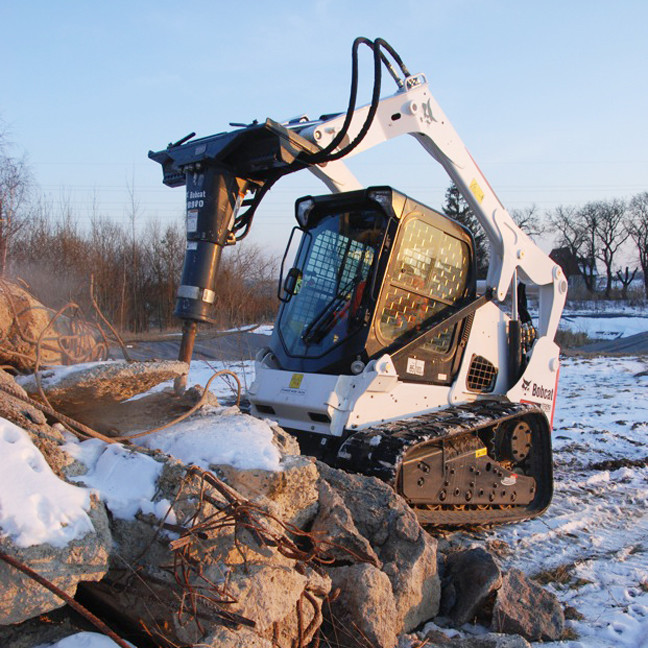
481, 375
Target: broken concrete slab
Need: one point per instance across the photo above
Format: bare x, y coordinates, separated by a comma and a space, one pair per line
87, 384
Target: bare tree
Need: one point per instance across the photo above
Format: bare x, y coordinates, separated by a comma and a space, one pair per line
626, 278
163, 254
15, 183
573, 234
530, 221
638, 230
588, 220
608, 223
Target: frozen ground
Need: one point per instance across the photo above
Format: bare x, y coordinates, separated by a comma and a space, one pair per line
591, 547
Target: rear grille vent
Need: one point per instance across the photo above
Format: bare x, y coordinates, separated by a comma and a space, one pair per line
481, 375
319, 418
265, 409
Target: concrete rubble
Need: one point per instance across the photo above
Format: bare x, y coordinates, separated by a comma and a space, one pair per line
254, 558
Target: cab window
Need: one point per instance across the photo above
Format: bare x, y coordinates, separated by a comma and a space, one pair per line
428, 272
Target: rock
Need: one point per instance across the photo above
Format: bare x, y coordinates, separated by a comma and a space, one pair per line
82, 559
85, 559
47, 439
223, 637
22, 321
236, 567
523, 607
407, 553
335, 528
279, 598
364, 613
291, 494
493, 640
287, 443
469, 579
437, 639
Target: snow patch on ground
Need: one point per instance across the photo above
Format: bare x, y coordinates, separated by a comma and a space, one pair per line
223, 387
261, 329
37, 507
604, 328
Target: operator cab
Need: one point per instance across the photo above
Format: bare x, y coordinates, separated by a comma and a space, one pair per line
375, 271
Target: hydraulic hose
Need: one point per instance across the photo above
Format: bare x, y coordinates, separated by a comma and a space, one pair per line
327, 154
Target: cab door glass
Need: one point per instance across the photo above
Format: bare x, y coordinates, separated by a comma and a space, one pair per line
428, 273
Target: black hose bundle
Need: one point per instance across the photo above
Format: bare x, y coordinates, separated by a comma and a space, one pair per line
328, 154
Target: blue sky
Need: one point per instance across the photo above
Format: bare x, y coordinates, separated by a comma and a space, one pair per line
550, 97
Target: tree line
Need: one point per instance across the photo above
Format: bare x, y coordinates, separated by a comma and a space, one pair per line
135, 269
134, 272
597, 235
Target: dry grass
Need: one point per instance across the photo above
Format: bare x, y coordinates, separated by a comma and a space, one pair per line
561, 575
570, 340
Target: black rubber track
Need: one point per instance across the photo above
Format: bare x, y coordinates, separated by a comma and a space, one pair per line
379, 452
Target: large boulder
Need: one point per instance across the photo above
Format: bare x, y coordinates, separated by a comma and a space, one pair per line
85, 559
23, 319
335, 529
235, 564
364, 607
406, 553
525, 608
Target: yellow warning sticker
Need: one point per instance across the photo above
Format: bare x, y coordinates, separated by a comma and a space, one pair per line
296, 381
480, 453
477, 191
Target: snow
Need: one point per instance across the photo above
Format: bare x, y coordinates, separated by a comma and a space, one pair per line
219, 436
37, 507
53, 375
261, 329
124, 479
604, 328
83, 640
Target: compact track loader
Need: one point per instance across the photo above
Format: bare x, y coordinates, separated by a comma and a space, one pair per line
385, 358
